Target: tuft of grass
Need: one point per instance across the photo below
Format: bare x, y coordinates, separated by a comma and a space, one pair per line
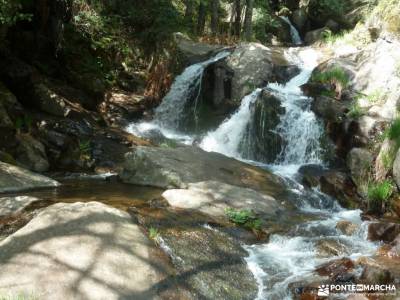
85, 149
243, 218
379, 193
153, 233
393, 132
376, 96
356, 111
388, 158
334, 75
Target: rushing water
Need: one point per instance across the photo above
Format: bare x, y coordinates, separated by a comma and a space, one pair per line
296, 39
290, 258
169, 115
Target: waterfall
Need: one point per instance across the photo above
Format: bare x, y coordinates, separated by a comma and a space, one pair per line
299, 126
289, 257
227, 137
169, 113
296, 39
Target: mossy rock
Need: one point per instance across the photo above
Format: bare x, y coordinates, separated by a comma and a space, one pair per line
7, 158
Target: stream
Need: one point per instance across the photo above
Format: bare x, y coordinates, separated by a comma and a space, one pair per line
290, 258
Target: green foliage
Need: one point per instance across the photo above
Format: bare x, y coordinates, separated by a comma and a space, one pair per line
327, 8
154, 233
389, 11
19, 297
388, 158
393, 132
153, 21
243, 218
331, 38
378, 194
23, 123
10, 12
85, 149
355, 111
376, 96
336, 75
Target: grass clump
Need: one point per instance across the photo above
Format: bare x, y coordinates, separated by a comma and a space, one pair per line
393, 132
333, 76
376, 96
378, 194
85, 149
355, 111
243, 218
154, 233
336, 77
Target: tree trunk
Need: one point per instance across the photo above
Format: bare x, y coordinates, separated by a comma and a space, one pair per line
189, 14
238, 17
201, 18
248, 26
214, 17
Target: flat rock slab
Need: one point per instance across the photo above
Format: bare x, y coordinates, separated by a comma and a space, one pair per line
10, 206
78, 251
16, 179
213, 198
179, 166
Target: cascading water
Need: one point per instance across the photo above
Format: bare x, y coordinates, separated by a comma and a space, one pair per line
296, 39
168, 116
291, 257
299, 126
226, 139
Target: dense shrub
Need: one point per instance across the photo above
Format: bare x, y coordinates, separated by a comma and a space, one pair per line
10, 12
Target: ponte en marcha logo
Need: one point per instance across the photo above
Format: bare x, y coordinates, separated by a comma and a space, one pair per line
388, 289
324, 290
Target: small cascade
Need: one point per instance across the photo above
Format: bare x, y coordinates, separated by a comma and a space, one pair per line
299, 126
169, 113
227, 137
296, 39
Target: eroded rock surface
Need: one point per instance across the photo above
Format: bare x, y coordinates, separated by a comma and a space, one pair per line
78, 251
15, 179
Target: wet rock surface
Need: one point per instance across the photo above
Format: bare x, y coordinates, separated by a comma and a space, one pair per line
11, 206
209, 263
177, 167
213, 198
382, 231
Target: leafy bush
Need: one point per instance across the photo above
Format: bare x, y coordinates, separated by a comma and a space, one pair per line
243, 218
325, 9
378, 194
10, 12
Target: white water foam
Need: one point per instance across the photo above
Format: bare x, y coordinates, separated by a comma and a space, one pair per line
169, 114
227, 137
296, 39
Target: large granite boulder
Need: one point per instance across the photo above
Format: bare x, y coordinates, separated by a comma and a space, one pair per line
209, 263
15, 179
253, 65
78, 251
177, 167
213, 198
31, 153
